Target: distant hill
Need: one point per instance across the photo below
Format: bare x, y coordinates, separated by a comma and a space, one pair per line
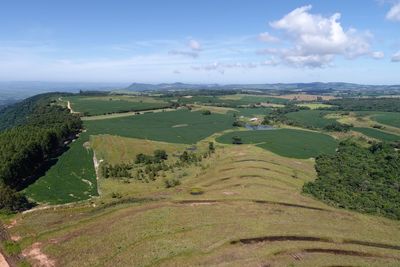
309, 87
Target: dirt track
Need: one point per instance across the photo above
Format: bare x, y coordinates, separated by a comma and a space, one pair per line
3, 262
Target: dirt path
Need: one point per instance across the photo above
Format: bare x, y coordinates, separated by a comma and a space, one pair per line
3, 262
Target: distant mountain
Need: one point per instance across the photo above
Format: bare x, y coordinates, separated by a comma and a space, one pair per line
20, 90
315, 86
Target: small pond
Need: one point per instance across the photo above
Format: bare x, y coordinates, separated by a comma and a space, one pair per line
259, 127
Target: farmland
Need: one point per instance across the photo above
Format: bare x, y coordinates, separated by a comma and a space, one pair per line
71, 179
310, 118
286, 142
176, 127
388, 118
377, 134
98, 105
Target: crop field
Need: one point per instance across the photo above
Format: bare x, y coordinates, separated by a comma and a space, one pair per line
72, 178
315, 105
388, 118
180, 126
98, 105
377, 134
250, 214
229, 100
310, 118
286, 142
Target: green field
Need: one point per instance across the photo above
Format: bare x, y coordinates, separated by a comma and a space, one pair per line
286, 142
377, 134
72, 178
315, 105
228, 100
180, 126
98, 105
388, 118
310, 118
252, 213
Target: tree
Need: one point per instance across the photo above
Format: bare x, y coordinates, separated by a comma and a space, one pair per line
211, 147
160, 155
236, 140
206, 112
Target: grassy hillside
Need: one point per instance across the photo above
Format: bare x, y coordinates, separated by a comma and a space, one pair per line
72, 178
286, 142
389, 118
251, 214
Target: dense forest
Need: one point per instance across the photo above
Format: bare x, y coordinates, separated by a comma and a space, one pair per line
36, 130
358, 178
366, 104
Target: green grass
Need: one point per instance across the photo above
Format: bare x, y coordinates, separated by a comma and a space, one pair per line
113, 104
310, 118
374, 133
180, 126
248, 193
71, 179
388, 118
315, 105
286, 142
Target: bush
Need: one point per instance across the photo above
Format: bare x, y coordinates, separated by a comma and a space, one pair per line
12, 201
206, 112
236, 140
171, 182
196, 191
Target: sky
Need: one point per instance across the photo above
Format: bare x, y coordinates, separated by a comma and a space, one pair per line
207, 41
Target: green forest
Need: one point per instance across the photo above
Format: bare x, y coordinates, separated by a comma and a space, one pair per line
358, 178
36, 130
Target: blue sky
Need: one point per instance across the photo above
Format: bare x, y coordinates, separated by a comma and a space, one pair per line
219, 41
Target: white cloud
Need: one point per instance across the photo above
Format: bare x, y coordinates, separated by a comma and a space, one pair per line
184, 53
221, 67
194, 45
396, 57
316, 40
394, 13
267, 38
377, 55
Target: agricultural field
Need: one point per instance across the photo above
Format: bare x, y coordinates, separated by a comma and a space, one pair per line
243, 186
377, 134
253, 112
388, 118
315, 105
180, 126
229, 100
285, 142
310, 118
99, 105
71, 179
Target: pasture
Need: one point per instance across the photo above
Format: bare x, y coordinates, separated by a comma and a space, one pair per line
285, 142
315, 105
377, 134
310, 118
72, 178
180, 126
99, 105
250, 214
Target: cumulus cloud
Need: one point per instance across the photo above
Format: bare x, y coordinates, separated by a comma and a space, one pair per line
194, 45
267, 38
377, 55
192, 50
184, 53
316, 40
396, 57
394, 13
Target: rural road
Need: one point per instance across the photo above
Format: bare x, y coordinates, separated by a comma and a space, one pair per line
3, 262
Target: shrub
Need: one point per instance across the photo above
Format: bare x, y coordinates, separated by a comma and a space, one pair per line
196, 191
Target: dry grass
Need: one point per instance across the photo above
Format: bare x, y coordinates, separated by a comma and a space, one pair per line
305, 97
